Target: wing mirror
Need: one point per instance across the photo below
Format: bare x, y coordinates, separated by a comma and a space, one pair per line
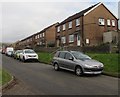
71, 58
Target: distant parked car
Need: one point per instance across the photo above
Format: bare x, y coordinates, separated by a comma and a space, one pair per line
28, 54
77, 62
17, 54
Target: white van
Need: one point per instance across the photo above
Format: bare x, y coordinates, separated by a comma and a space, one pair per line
9, 51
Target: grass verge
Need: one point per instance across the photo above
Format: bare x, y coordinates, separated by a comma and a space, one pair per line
5, 77
45, 57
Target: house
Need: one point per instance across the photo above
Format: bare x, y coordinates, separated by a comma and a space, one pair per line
43, 38
46, 37
86, 28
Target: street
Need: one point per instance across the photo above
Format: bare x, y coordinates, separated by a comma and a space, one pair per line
42, 79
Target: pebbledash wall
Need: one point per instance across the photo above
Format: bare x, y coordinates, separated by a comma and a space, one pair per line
83, 29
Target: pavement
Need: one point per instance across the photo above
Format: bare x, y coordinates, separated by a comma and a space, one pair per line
17, 88
42, 79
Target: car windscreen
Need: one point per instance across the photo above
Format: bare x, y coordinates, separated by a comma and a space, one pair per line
80, 56
20, 51
29, 51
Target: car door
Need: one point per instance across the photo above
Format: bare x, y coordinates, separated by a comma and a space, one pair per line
61, 59
69, 63
21, 55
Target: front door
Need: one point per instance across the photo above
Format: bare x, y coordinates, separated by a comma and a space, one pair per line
78, 40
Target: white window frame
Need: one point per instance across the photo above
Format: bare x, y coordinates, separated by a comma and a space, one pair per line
71, 38
108, 22
87, 41
64, 27
70, 25
101, 21
43, 34
63, 39
113, 23
40, 43
58, 29
40, 35
36, 37
77, 21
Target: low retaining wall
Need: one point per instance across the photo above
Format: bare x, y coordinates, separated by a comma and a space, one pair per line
93, 49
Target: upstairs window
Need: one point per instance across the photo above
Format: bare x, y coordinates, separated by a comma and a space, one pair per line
108, 22
70, 25
101, 21
63, 27
43, 34
63, 39
77, 22
35, 37
113, 22
58, 29
40, 35
71, 38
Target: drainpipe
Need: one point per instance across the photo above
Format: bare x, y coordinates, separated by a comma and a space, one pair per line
82, 31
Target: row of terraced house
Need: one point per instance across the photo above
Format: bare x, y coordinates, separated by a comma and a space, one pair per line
92, 26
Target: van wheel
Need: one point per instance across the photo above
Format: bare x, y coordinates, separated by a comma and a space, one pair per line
78, 71
56, 67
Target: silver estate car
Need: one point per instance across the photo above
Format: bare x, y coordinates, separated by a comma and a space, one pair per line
77, 62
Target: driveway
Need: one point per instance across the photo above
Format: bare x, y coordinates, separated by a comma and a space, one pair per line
43, 80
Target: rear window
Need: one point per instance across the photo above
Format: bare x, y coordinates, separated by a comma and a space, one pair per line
56, 54
62, 54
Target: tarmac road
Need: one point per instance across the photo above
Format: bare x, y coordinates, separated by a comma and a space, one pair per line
43, 80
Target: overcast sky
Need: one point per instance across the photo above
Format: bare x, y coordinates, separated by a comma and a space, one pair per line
22, 19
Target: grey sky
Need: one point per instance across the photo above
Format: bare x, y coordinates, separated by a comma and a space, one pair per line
21, 19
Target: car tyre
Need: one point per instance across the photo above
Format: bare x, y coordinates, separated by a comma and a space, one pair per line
56, 67
78, 71
23, 59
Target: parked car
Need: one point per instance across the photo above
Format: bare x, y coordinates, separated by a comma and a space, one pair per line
77, 62
28, 54
17, 54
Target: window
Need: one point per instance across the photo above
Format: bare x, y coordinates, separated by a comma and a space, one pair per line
43, 34
108, 22
77, 22
35, 37
40, 35
63, 39
68, 56
71, 38
58, 29
62, 55
101, 21
113, 22
87, 41
70, 24
40, 43
64, 27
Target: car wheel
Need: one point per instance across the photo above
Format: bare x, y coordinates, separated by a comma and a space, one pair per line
78, 71
56, 66
23, 59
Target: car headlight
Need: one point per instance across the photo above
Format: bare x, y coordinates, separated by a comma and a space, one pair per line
101, 65
88, 66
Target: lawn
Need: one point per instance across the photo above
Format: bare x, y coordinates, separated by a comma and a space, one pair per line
110, 61
45, 57
4, 77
